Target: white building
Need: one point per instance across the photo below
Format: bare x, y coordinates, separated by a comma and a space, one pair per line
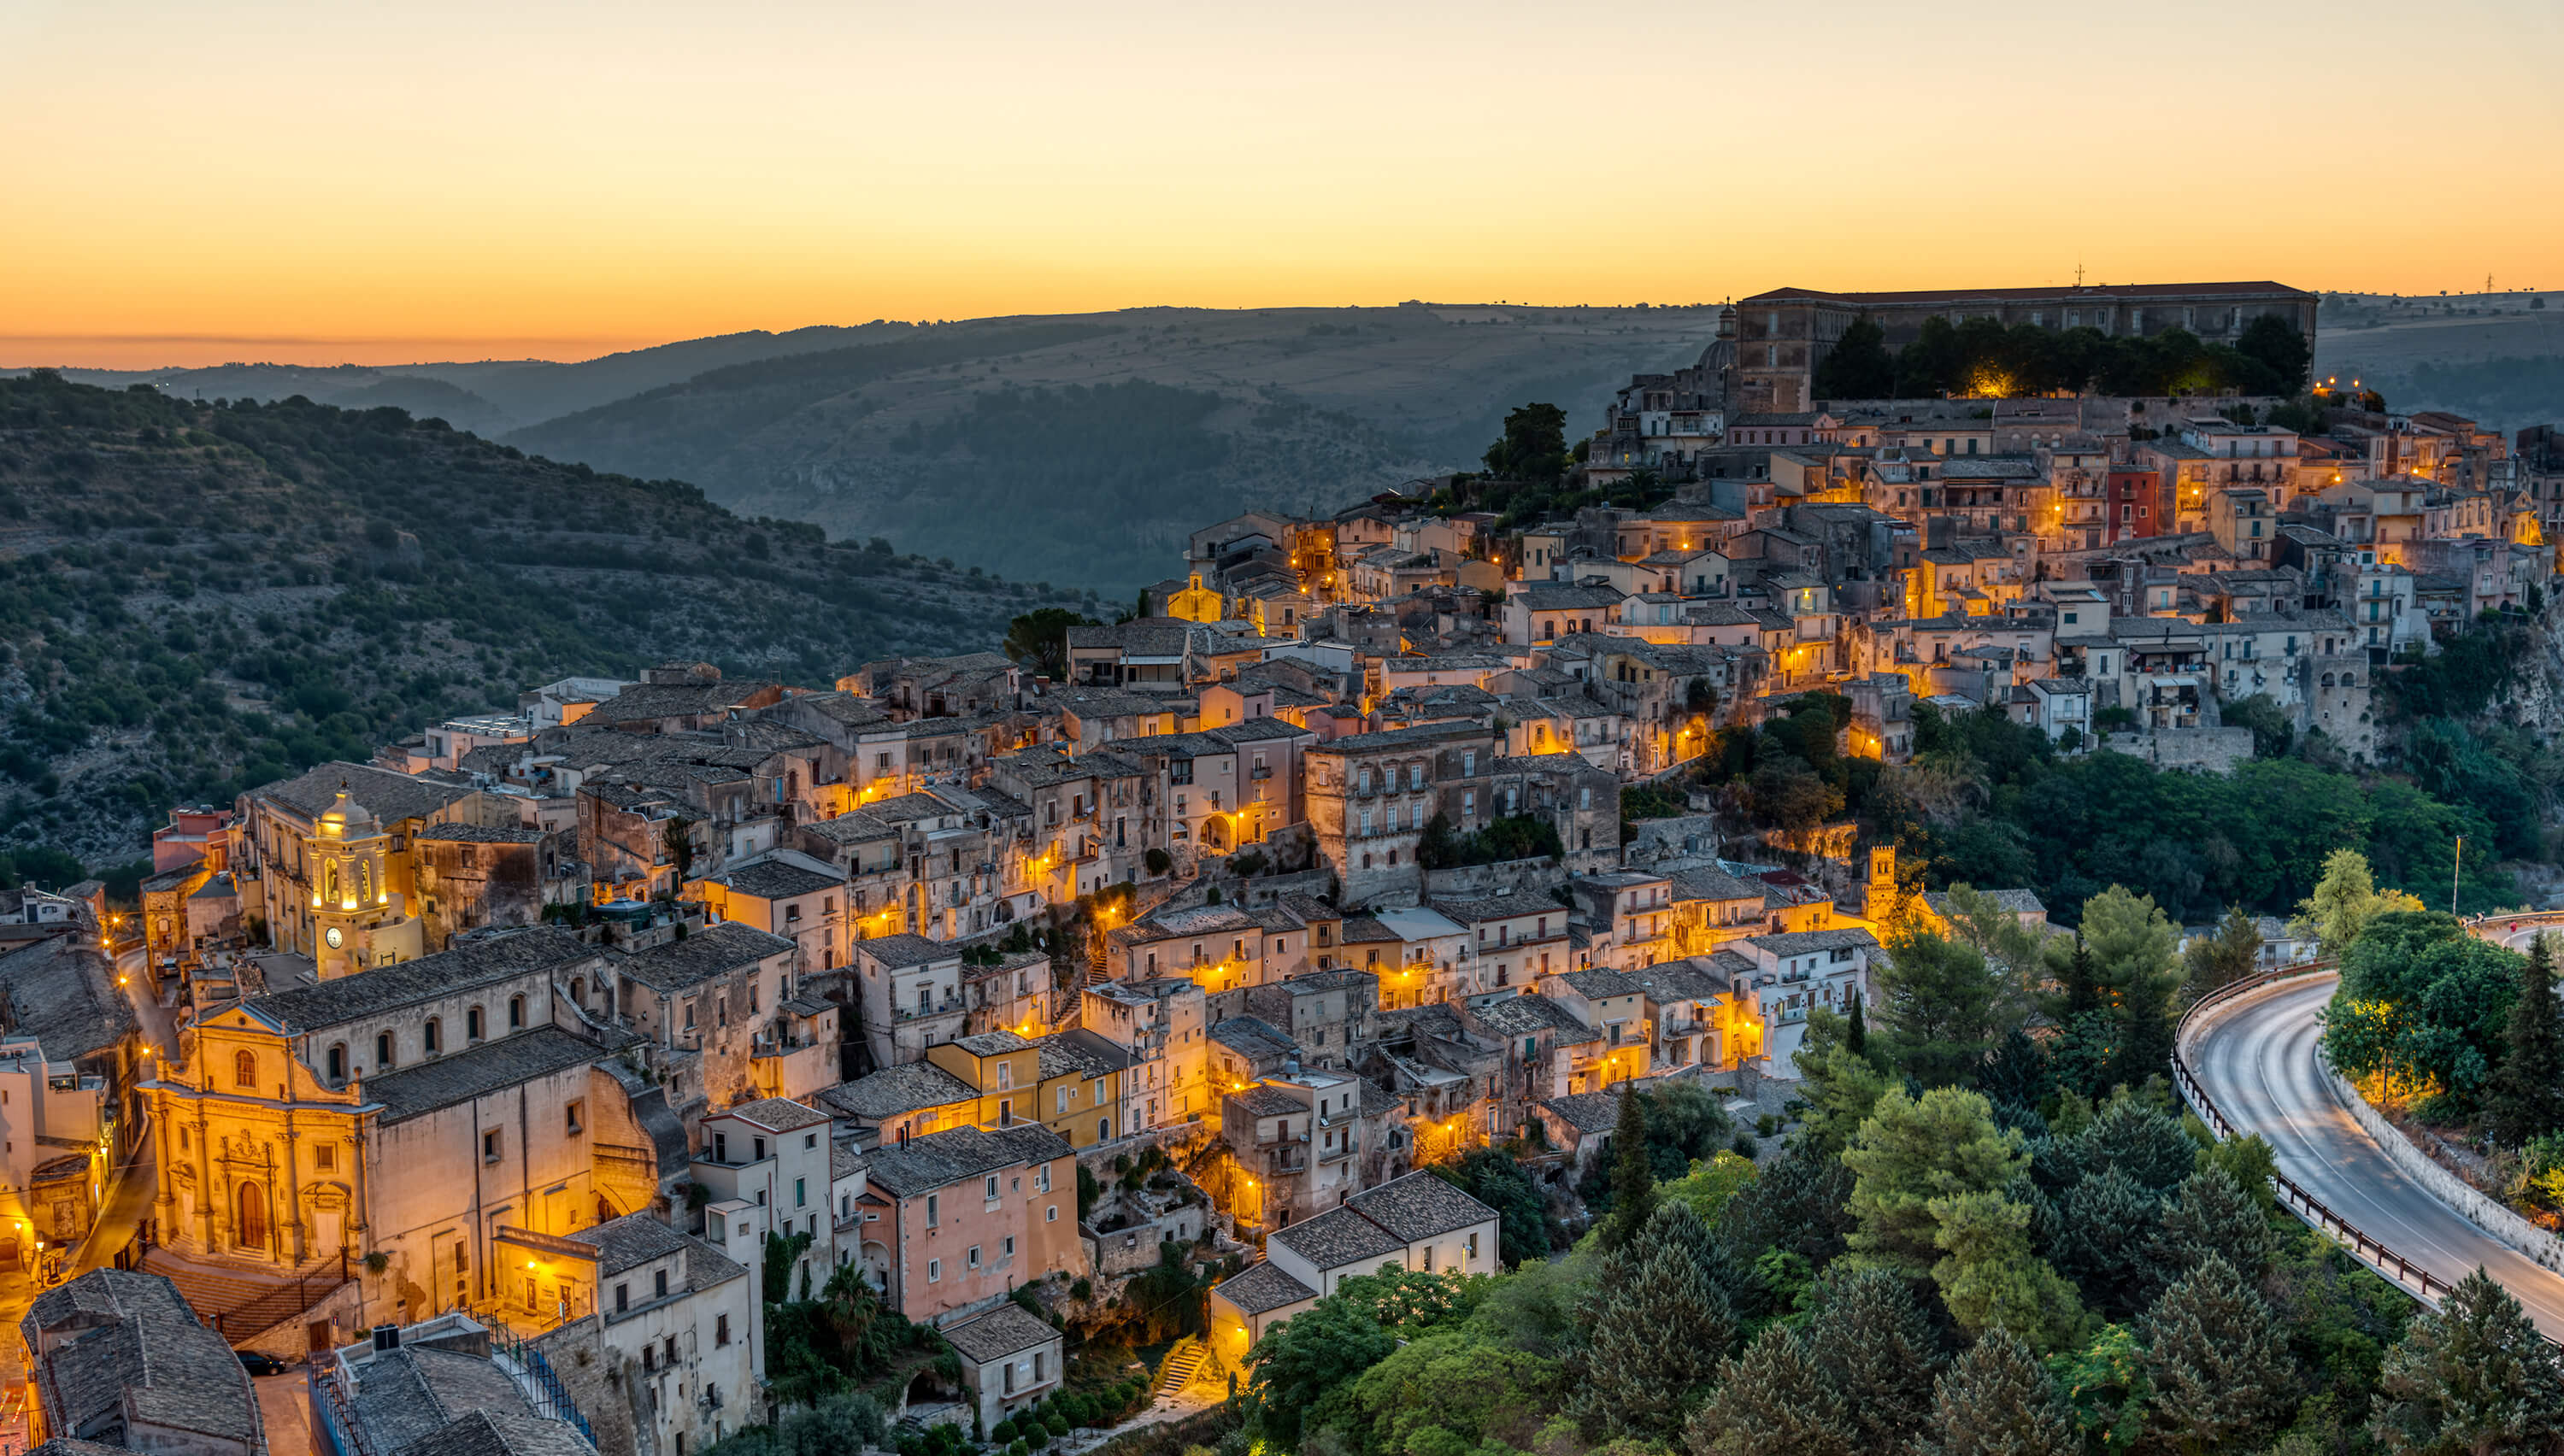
1801, 969
1417, 1222
774, 1154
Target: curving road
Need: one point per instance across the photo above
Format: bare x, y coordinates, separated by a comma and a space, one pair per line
2256, 1056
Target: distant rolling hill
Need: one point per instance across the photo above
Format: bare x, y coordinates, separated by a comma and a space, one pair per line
1081, 449
1077, 449
193, 600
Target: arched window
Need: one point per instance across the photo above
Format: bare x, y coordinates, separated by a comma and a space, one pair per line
366, 878
517, 1011
338, 1063
245, 1069
433, 1035
329, 879
382, 1051
472, 1024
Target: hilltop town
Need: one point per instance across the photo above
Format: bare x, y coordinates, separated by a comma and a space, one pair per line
1150, 976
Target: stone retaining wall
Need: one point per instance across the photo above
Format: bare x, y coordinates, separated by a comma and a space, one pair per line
2481, 1208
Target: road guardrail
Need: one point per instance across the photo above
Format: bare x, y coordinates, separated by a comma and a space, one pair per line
2293, 1196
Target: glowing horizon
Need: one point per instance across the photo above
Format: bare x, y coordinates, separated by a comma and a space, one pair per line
289, 181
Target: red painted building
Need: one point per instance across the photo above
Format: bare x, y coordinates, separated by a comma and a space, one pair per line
2139, 504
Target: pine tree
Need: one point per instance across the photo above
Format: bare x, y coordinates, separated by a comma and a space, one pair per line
1795, 1204
1875, 1348
1992, 1279
2210, 1216
1773, 1399
2016, 1072
1855, 1032
1659, 1330
2105, 1241
2145, 1141
1633, 1183
2527, 1093
1942, 1006
2472, 1376
1997, 1400
2217, 1360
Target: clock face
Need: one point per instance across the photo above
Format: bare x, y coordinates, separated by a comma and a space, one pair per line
334, 937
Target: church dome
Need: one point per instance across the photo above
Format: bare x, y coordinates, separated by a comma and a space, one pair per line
346, 819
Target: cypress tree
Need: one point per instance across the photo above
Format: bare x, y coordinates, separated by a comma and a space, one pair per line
2082, 981
1856, 1034
1633, 1183
2217, 1362
2527, 1093
1997, 1400
1875, 1348
1773, 1399
2473, 1375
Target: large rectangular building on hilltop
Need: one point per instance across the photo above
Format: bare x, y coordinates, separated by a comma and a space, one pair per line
1782, 336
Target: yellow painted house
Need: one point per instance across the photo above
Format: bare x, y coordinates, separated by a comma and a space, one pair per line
1084, 1087
1002, 1068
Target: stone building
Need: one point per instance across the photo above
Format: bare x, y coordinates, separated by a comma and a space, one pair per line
788, 894
356, 822
715, 999
358, 1143
69, 1027
957, 1220
443, 1389
1782, 336
1418, 1221
666, 1344
1371, 796
473, 877
1010, 1359
117, 1357
55, 1129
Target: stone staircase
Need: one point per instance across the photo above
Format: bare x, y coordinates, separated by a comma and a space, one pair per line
1182, 1363
238, 1303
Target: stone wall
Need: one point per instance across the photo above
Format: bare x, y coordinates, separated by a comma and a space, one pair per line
1506, 877
2481, 1208
598, 1383
2207, 749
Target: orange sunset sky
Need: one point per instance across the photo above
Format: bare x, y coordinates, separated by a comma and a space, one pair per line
223, 179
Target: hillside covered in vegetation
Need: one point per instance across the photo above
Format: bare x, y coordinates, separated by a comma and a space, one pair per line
195, 597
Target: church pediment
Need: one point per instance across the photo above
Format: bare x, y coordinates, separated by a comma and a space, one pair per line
243, 1018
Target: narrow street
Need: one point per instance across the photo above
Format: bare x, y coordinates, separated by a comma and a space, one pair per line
130, 1194
136, 1184
285, 1409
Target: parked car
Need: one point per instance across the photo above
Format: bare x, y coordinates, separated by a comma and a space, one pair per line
260, 1364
